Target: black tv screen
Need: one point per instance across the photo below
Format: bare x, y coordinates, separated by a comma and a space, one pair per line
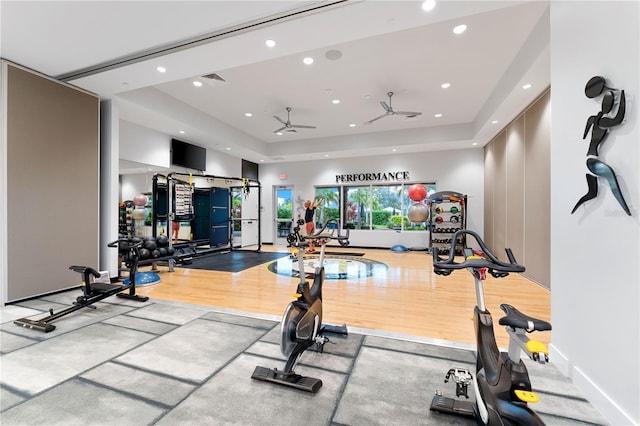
249, 170
184, 154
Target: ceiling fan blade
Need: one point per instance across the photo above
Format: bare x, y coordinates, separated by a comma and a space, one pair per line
280, 129
377, 118
280, 120
408, 113
386, 106
303, 126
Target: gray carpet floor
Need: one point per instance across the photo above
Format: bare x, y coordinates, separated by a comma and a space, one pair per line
131, 363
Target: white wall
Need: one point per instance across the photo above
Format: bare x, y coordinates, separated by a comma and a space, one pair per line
147, 146
595, 252
458, 170
144, 145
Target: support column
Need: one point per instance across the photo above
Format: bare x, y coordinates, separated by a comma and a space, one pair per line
109, 184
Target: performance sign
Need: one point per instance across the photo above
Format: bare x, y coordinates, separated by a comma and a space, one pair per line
377, 177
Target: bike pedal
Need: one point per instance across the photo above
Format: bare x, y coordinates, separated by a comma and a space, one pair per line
526, 396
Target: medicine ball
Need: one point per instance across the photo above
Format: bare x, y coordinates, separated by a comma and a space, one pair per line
155, 254
144, 254
163, 251
162, 241
150, 245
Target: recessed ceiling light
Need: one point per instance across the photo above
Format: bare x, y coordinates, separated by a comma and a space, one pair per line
228, 149
270, 43
248, 114
262, 161
438, 115
445, 85
161, 69
182, 132
527, 86
308, 60
326, 155
352, 125
394, 150
428, 5
197, 83
460, 29
494, 122
279, 133
335, 101
475, 143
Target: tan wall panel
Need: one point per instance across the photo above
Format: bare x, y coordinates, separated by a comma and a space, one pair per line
517, 179
537, 231
500, 194
515, 188
52, 183
489, 211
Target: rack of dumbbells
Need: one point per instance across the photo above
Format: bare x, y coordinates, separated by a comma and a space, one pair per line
448, 213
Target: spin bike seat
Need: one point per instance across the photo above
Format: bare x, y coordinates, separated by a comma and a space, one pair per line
517, 319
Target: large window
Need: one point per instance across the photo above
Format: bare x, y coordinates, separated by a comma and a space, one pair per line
329, 208
356, 212
386, 205
376, 207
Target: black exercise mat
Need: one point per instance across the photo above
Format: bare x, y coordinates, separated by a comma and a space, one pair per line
235, 261
343, 253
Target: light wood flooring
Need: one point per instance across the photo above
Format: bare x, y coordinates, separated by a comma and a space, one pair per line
409, 299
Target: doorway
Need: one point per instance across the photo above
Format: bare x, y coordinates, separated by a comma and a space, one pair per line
283, 214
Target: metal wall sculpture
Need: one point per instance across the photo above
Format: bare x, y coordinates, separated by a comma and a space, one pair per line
599, 126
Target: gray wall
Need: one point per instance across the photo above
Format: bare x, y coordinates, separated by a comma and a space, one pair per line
517, 188
52, 177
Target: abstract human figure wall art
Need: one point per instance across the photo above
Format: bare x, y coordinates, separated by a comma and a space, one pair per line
599, 125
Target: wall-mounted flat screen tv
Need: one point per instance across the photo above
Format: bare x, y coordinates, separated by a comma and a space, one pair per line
184, 154
249, 170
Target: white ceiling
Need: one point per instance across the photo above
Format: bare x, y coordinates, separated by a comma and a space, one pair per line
384, 45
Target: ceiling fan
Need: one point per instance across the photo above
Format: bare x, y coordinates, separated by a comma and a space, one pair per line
288, 127
389, 111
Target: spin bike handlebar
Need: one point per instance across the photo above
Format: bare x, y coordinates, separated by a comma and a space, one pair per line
495, 266
319, 233
116, 243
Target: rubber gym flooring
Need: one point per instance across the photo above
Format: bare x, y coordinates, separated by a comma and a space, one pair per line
127, 363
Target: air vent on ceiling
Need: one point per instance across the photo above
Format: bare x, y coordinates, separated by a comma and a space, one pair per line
214, 76
214, 79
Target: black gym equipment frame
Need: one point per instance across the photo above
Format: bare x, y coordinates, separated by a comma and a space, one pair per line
163, 209
93, 291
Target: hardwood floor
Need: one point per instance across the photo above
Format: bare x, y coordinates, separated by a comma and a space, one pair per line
407, 298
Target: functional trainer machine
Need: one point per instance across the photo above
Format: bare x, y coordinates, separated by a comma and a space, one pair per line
501, 381
92, 291
301, 326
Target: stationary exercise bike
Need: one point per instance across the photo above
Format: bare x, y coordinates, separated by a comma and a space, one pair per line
93, 291
501, 381
302, 326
